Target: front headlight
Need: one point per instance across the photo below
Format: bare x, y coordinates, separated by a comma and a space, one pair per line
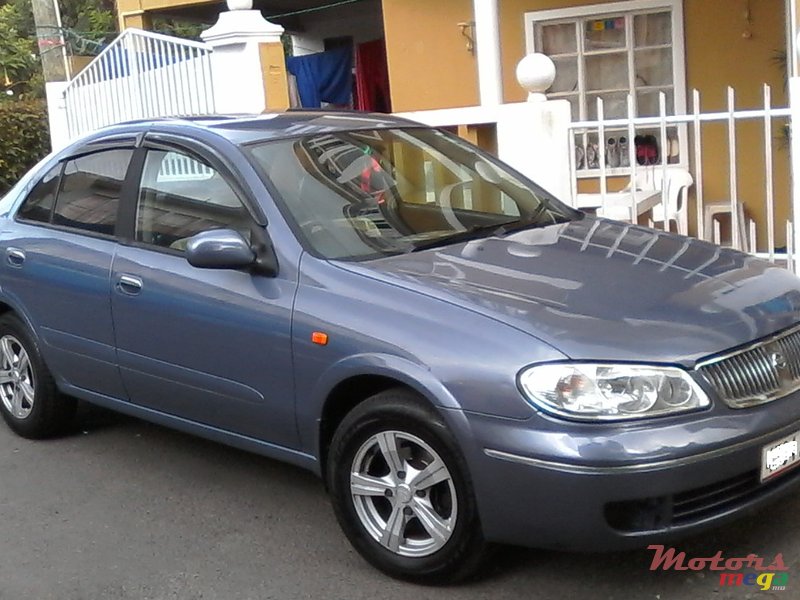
607, 392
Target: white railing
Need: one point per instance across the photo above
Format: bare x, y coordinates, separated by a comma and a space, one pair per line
140, 75
179, 167
671, 166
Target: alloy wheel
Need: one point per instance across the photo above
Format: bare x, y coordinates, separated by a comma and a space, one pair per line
403, 494
16, 378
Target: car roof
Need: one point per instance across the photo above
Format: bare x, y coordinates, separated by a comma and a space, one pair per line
247, 129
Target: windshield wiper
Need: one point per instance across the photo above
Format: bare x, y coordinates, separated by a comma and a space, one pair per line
496, 229
475, 232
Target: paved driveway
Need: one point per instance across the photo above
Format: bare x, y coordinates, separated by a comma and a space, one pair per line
124, 509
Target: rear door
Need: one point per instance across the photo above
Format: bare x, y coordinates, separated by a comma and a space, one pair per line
58, 266
208, 345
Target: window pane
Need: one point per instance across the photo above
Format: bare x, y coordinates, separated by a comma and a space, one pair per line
615, 106
605, 33
575, 106
90, 190
39, 204
607, 71
647, 103
558, 39
180, 196
653, 67
653, 29
566, 75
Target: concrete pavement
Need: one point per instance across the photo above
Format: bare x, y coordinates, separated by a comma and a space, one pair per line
124, 509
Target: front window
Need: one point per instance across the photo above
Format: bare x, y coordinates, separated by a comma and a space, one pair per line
365, 194
181, 196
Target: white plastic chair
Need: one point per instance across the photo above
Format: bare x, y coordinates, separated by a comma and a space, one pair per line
677, 194
676, 206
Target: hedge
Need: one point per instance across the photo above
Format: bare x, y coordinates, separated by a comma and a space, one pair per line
24, 138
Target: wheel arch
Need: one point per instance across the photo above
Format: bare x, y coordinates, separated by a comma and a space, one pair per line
8, 306
351, 382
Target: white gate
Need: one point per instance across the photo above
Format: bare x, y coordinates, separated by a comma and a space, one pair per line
140, 75
605, 148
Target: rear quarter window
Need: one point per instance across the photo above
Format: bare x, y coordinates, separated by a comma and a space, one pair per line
38, 206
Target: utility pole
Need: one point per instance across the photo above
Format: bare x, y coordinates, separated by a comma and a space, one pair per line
50, 37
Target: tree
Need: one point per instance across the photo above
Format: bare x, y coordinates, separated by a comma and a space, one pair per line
20, 74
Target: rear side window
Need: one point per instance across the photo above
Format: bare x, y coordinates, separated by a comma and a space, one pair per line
91, 187
38, 206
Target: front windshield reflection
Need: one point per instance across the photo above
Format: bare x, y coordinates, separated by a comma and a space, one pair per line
370, 193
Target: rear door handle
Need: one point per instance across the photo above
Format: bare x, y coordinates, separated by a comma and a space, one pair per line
15, 257
129, 284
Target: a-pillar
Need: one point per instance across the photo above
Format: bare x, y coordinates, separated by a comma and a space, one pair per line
248, 63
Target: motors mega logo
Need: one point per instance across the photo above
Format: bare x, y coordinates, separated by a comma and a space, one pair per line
764, 575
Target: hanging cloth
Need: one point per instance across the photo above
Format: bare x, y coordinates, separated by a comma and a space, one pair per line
323, 77
372, 77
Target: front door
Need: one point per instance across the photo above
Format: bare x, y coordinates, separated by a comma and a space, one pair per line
208, 345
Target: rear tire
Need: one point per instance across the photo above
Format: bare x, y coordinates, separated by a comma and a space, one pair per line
402, 493
29, 400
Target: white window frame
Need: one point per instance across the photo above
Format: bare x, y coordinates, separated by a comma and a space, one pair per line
534, 18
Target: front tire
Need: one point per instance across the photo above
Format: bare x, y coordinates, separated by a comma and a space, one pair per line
29, 400
402, 493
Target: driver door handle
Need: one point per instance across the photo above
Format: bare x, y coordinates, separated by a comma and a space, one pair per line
129, 284
15, 256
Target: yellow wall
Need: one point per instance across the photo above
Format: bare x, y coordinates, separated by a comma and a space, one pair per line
429, 64
430, 68
136, 13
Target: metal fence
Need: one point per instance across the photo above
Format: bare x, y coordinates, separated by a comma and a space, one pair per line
591, 157
141, 75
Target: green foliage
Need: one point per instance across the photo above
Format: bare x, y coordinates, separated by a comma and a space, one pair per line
189, 30
18, 60
94, 19
24, 139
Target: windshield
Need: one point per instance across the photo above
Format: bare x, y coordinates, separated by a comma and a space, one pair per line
365, 194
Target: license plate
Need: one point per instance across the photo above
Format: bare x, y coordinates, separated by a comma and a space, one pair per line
778, 456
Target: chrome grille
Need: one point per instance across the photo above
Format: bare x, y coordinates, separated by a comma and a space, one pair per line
764, 371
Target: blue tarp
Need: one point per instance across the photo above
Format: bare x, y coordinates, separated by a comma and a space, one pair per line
323, 77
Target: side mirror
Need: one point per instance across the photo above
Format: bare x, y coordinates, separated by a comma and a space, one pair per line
219, 249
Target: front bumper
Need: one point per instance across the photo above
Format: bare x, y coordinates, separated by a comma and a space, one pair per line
606, 492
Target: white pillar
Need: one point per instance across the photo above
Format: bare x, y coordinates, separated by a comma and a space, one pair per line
487, 43
236, 61
533, 137
794, 103
57, 114
792, 41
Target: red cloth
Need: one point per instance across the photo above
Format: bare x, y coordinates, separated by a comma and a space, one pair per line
372, 78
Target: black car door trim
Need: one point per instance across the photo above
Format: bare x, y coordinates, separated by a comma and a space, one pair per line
126, 216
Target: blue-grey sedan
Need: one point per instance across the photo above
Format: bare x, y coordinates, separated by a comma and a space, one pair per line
461, 357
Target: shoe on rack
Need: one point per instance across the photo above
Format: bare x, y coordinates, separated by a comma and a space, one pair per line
591, 156
622, 146
612, 153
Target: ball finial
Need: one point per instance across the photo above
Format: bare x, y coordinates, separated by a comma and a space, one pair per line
535, 74
240, 4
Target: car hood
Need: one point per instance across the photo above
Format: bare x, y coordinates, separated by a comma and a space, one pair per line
601, 290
